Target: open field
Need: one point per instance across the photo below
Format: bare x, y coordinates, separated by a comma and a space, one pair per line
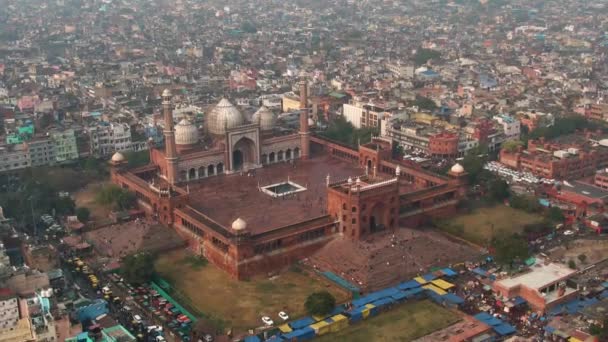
594, 250
240, 305
86, 198
406, 322
480, 225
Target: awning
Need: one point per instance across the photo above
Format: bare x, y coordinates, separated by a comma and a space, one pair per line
442, 284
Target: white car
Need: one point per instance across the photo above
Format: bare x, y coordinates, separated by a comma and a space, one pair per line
568, 232
267, 320
283, 315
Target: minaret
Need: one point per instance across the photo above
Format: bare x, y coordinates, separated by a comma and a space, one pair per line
170, 150
304, 132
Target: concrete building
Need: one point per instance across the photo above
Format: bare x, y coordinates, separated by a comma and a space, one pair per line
533, 119
110, 138
64, 145
116, 333
42, 151
571, 158
544, 286
15, 325
367, 114
405, 71
511, 127
9, 309
14, 157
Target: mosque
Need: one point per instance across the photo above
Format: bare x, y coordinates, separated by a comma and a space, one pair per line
260, 196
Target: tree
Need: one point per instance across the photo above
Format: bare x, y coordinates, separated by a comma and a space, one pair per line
343, 131
424, 103
138, 158
600, 331
555, 214
508, 249
45, 121
572, 264
499, 189
424, 55
248, 27
320, 303
138, 268
582, 258
473, 165
83, 214
64, 205
115, 197
512, 145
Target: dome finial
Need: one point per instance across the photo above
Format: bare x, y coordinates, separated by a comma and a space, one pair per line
457, 169
239, 224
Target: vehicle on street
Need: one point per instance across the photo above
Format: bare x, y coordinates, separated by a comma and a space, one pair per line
283, 315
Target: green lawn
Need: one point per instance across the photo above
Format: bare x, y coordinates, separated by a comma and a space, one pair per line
406, 322
240, 304
480, 225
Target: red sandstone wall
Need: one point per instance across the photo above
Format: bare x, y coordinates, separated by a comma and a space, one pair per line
279, 259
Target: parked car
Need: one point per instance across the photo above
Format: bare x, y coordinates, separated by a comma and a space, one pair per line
283, 315
267, 320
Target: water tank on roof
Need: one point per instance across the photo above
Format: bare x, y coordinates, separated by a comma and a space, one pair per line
573, 151
561, 154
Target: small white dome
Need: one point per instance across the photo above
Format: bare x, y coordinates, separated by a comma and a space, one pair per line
118, 157
397, 170
350, 180
166, 93
239, 224
224, 116
457, 168
311, 122
186, 133
265, 118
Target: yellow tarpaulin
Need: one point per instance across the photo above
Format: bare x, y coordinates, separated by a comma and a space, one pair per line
284, 328
321, 328
434, 289
442, 284
574, 339
340, 322
420, 280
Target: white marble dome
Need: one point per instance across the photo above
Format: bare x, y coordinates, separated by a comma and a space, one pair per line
239, 224
118, 158
186, 133
457, 168
224, 116
265, 117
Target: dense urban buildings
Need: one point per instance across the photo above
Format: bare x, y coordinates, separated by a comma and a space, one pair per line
393, 153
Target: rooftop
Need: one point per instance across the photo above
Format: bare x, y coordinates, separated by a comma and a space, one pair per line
228, 197
539, 276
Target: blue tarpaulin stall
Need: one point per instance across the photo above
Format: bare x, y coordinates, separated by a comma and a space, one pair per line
303, 334
301, 323
429, 277
252, 339
412, 284
449, 272
413, 292
518, 301
454, 299
480, 271
383, 302
399, 296
504, 329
